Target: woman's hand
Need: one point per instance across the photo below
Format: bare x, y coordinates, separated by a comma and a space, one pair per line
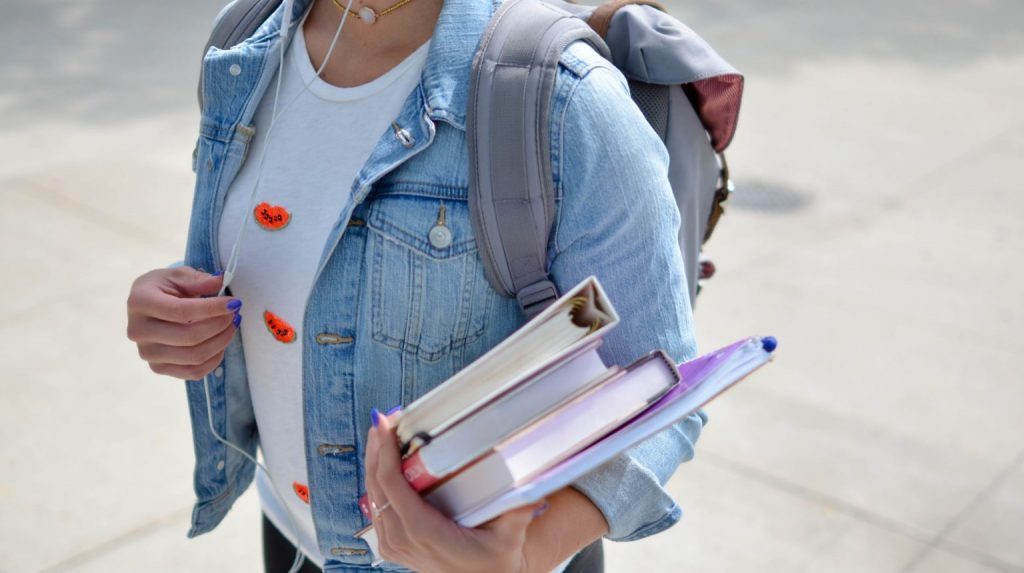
178, 333
411, 532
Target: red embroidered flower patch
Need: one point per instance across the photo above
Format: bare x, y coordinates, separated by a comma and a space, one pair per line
281, 330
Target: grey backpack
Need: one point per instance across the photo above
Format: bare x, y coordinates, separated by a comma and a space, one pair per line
686, 91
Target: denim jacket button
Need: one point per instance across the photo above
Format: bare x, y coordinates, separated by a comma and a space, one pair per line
404, 136
235, 69
334, 449
332, 338
440, 237
219, 371
337, 551
220, 466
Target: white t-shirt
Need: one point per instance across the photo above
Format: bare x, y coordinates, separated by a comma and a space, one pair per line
316, 149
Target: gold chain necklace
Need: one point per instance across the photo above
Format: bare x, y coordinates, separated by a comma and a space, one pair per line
369, 15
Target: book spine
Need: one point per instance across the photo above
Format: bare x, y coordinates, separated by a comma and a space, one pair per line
416, 473
364, 506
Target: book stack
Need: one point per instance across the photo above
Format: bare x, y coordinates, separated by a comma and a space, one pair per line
542, 409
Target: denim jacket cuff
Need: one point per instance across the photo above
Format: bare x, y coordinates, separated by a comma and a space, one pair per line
629, 496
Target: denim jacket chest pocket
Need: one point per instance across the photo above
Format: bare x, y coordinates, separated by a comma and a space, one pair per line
429, 296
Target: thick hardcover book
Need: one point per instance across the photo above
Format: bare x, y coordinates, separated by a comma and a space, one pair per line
495, 422
553, 438
575, 320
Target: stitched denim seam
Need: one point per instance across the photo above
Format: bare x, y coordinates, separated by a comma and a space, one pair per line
661, 524
378, 333
405, 239
561, 133
400, 190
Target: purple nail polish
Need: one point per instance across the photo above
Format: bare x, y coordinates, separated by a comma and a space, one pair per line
237, 320
393, 410
217, 274
375, 417
234, 304
540, 510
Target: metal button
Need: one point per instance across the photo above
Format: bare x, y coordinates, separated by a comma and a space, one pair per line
440, 236
332, 338
337, 551
403, 135
218, 372
220, 466
333, 449
406, 138
235, 69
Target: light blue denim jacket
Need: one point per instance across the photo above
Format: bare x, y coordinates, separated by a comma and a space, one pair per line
390, 316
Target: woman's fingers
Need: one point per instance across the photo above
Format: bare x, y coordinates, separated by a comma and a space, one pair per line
184, 310
390, 537
149, 330
419, 519
168, 294
190, 282
188, 355
178, 334
378, 499
370, 459
188, 372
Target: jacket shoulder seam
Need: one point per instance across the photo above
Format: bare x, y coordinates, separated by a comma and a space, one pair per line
579, 58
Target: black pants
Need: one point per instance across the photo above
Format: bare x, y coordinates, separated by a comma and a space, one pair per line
278, 554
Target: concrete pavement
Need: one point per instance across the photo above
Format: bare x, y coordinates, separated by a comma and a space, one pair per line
875, 232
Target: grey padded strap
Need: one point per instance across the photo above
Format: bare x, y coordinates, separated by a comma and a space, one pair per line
236, 22
512, 197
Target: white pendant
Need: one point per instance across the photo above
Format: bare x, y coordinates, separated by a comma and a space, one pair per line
366, 14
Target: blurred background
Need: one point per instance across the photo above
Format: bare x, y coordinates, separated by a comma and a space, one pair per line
875, 231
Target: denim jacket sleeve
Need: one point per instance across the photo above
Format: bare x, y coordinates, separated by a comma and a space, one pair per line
617, 219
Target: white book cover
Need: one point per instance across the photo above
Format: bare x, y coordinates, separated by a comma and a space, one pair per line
495, 422
578, 317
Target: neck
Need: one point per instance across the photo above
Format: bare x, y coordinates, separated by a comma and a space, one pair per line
398, 32
366, 51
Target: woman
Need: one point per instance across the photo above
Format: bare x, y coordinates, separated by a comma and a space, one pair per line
353, 302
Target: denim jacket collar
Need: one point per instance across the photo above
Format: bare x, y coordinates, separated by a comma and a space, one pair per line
441, 95
445, 75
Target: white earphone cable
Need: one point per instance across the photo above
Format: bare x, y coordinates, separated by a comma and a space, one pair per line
229, 270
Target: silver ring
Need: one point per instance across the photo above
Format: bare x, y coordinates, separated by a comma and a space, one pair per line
379, 510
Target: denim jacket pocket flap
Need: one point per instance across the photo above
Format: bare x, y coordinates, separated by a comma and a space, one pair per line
436, 228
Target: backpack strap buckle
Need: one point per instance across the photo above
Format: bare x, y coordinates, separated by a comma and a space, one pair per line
536, 297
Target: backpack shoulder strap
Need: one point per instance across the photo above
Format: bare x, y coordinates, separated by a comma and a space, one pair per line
512, 198
236, 22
